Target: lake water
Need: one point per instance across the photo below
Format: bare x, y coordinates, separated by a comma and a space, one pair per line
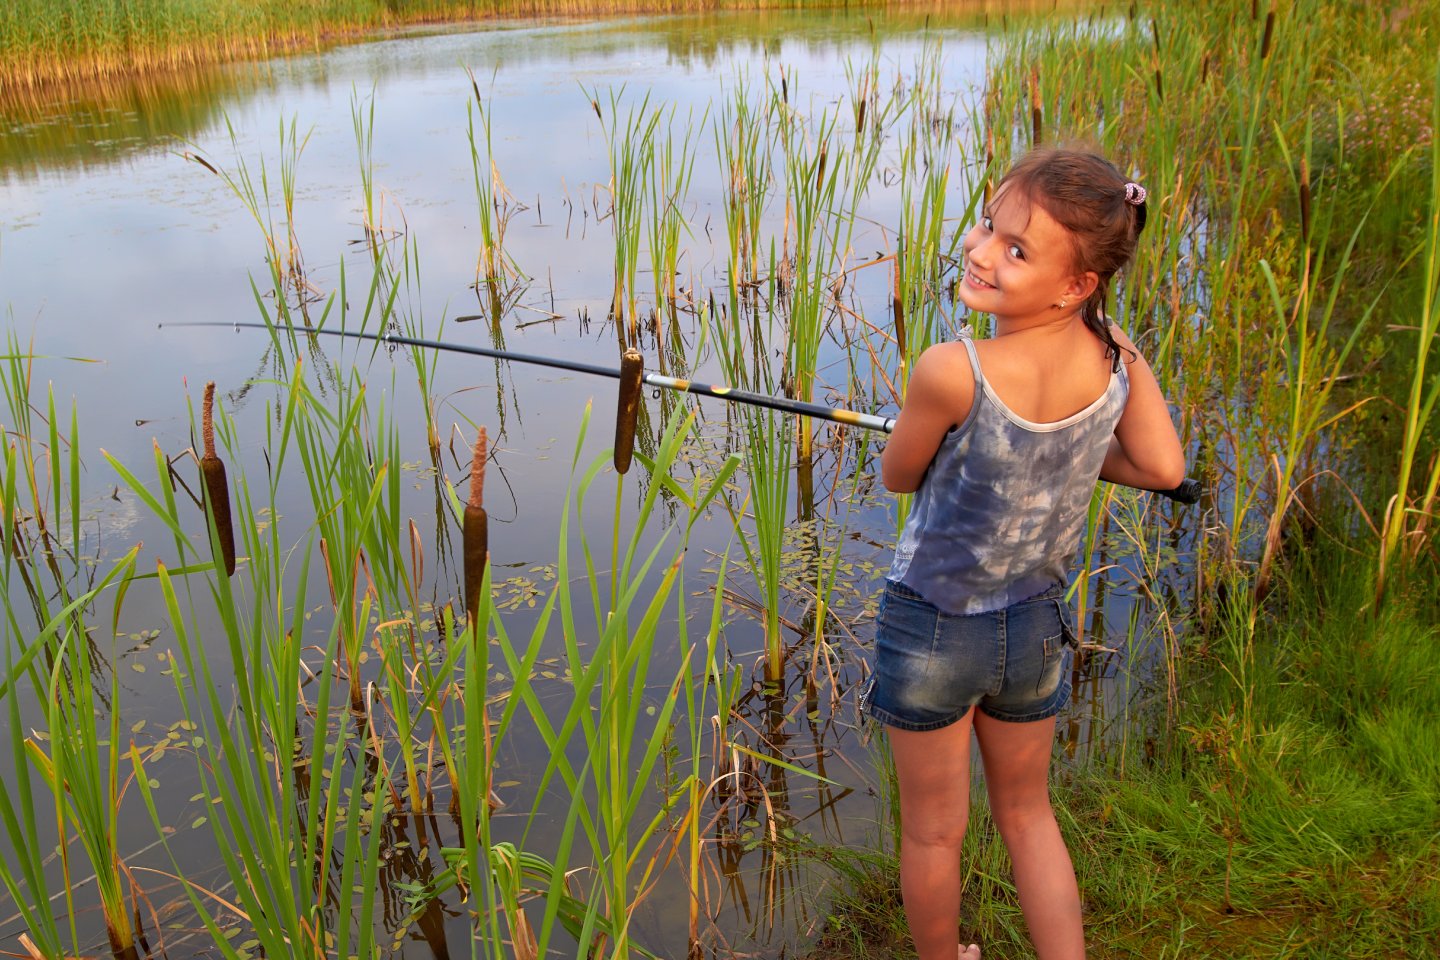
109, 236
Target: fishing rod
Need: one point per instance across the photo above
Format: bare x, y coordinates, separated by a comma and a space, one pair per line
1187, 492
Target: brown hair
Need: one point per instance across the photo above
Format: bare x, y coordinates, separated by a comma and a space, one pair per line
1086, 195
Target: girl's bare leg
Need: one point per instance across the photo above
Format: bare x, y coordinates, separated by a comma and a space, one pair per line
1017, 777
933, 769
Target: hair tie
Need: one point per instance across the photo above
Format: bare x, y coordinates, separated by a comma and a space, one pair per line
1134, 194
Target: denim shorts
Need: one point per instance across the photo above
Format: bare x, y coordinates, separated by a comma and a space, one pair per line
930, 667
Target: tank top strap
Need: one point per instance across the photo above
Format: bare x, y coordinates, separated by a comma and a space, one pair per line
974, 360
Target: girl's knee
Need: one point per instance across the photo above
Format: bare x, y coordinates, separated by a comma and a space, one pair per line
1023, 815
946, 834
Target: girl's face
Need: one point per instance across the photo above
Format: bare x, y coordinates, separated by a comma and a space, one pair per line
1019, 264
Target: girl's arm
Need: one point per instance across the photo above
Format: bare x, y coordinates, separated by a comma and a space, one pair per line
938, 397
1145, 451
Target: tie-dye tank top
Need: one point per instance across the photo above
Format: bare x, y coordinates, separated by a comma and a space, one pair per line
999, 515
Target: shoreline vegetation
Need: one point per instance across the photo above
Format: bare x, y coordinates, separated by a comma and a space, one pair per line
49, 42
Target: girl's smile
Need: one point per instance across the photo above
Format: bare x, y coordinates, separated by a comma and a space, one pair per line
974, 280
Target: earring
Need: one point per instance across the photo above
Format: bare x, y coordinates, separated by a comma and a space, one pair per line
1062, 304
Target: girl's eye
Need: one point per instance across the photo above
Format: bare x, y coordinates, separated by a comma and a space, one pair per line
1015, 251
987, 223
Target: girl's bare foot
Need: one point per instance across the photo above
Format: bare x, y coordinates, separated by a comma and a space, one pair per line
971, 952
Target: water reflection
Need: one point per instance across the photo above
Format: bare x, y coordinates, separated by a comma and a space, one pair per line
77, 128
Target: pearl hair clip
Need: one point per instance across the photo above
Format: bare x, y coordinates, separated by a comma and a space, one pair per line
1134, 194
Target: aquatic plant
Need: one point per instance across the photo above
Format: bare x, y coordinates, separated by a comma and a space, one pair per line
1406, 526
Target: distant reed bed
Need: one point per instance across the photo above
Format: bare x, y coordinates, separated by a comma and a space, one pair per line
49, 41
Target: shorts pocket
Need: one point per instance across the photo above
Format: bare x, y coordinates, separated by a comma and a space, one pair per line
1062, 636
895, 590
1066, 637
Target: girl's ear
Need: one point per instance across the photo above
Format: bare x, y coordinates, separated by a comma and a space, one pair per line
1082, 285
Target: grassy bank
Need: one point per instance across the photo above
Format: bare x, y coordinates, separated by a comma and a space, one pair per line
1290, 812
48, 41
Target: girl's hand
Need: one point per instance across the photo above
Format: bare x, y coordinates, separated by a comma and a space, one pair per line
1145, 451
939, 397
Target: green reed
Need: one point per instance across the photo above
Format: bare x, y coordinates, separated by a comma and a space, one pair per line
362, 118
924, 254
275, 785
670, 167
630, 141
75, 750
743, 144
260, 192
1404, 524
494, 269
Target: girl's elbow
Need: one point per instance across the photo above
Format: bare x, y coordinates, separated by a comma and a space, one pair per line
1171, 474
898, 481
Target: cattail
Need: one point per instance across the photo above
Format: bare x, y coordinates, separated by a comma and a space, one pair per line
989, 162
860, 105
898, 303
820, 169
1269, 34
1304, 200
1035, 114
217, 491
476, 533
1159, 90
632, 373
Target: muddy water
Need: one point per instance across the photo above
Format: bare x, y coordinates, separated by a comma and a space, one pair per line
109, 231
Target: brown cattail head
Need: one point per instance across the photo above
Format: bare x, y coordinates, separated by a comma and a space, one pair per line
217, 489
820, 169
632, 373
989, 162
1269, 34
898, 303
1037, 116
475, 533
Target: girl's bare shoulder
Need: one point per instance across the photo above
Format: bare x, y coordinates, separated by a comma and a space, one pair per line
948, 362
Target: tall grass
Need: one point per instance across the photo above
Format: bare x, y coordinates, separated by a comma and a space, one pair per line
631, 143
670, 169
74, 745
1406, 526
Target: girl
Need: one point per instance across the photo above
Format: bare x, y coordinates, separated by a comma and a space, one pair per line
1002, 440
